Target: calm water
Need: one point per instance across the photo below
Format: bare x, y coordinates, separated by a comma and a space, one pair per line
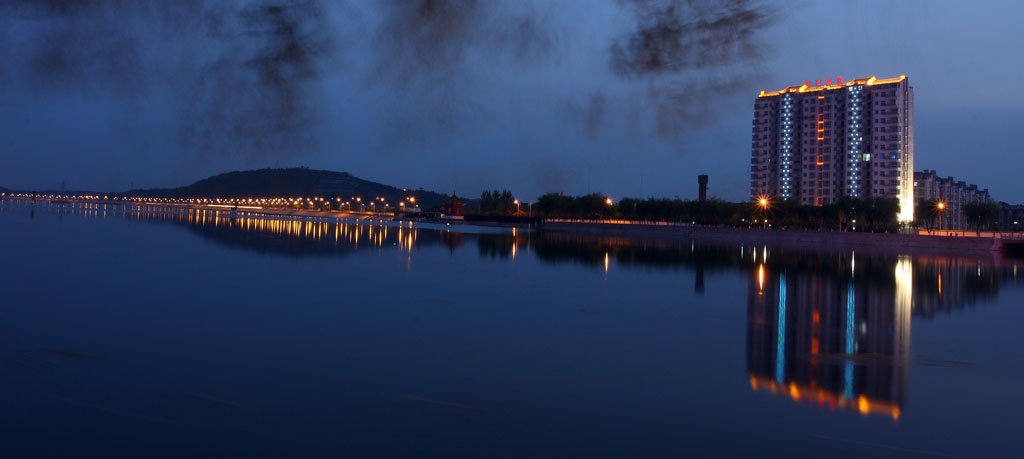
196, 334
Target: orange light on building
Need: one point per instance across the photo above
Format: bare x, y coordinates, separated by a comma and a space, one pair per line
806, 87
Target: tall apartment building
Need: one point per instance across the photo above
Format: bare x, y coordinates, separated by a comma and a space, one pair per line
954, 194
816, 143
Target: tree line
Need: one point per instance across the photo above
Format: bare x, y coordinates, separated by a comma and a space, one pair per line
981, 215
846, 214
872, 214
496, 203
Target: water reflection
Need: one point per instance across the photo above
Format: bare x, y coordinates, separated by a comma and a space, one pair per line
294, 237
833, 340
931, 283
828, 329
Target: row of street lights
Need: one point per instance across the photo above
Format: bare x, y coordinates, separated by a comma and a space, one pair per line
294, 202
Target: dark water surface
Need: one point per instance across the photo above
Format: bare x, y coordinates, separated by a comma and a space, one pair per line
197, 334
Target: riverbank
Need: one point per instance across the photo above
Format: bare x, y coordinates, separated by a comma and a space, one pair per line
938, 243
802, 239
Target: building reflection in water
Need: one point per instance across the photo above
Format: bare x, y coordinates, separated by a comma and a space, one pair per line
837, 340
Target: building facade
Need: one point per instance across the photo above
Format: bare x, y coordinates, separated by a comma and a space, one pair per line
816, 143
952, 193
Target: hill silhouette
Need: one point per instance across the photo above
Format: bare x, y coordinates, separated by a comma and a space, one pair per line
292, 182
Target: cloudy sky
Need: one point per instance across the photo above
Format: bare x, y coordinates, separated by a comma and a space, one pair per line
534, 96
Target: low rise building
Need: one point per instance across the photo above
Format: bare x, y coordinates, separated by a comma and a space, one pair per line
952, 193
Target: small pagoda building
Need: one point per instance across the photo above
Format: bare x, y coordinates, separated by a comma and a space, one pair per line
451, 209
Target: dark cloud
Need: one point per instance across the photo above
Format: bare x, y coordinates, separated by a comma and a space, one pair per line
550, 174
243, 73
260, 100
435, 53
594, 115
439, 38
688, 53
672, 36
245, 78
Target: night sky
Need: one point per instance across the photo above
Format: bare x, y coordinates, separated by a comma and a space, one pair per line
530, 96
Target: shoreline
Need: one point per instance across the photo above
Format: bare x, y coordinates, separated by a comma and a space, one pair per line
787, 238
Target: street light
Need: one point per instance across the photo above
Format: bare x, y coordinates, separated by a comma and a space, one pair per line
516, 202
608, 201
942, 209
763, 203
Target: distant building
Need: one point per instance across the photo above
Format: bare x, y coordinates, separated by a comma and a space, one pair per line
816, 143
1011, 216
451, 209
954, 194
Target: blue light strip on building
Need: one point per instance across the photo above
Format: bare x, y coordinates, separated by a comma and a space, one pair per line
856, 137
785, 188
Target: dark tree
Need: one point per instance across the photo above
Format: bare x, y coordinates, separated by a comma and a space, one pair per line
982, 214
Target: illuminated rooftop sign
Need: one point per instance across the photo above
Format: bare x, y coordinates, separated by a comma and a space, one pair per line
806, 87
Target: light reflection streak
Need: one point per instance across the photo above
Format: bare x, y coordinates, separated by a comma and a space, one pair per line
760, 279
904, 304
240, 219
780, 355
848, 365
